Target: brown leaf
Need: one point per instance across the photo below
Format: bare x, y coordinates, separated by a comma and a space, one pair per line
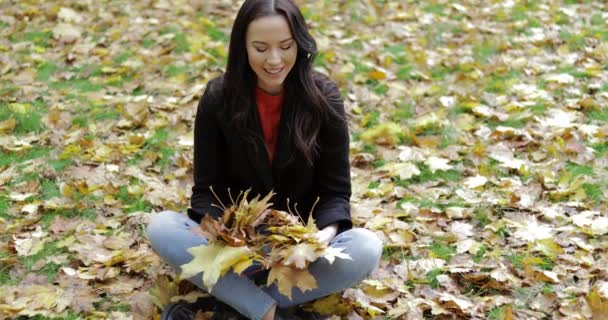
287, 278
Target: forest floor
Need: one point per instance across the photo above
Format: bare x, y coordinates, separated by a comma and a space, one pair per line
479, 148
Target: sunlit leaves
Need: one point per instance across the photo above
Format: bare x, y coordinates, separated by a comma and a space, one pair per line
214, 260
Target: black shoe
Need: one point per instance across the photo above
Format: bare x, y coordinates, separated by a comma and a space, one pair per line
297, 314
179, 311
187, 311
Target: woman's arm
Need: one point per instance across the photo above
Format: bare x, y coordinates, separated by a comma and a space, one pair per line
332, 168
208, 151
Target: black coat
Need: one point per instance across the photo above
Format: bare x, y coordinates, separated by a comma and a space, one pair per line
225, 158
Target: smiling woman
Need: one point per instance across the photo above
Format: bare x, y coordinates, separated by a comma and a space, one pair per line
270, 123
271, 51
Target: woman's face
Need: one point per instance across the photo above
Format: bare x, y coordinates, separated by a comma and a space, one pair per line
271, 50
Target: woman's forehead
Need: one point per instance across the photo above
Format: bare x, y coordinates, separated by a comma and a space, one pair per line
269, 29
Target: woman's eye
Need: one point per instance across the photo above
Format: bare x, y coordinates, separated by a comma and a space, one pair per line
260, 50
286, 48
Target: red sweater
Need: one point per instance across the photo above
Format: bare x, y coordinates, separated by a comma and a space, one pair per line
269, 108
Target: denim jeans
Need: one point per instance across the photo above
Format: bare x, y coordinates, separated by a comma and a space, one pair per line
170, 237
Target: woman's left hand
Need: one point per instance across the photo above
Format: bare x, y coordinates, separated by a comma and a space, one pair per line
327, 234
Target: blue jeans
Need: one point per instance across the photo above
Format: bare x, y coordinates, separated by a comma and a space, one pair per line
170, 236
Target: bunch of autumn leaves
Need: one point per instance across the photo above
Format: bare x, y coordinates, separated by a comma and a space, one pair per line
249, 231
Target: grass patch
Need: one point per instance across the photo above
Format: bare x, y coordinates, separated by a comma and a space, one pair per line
427, 175
484, 52
179, 39
431, 277
46, 70
601, 148
217, 34
132, 204
173, 70
499, 82
58, 165
79, 84
70, 316
28, 116
49, 249
5, 278
13, 158
482, 216
4, 206
599, 115
510, 122
39, 38
579, 170
47, 218
124, 56
49, 189
594, 192
441, 251
404, 111
477, 257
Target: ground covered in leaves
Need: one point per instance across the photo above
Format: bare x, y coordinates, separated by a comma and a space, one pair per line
479, 151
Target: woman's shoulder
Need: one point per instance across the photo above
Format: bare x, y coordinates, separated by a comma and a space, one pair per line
215, 86
326, 85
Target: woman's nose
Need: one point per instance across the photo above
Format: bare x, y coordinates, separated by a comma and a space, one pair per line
274, 57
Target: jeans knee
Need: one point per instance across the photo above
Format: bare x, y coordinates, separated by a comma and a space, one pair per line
159, 223
369, 249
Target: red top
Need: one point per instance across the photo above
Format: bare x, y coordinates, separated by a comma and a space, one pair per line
269, 108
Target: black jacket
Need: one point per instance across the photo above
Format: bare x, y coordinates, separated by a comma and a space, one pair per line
224, 158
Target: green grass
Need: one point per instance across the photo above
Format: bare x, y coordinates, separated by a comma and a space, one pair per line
49, 249
217, 34
511, 122
443, 252
27, 122
46, 70
132, 203
4, 202
122, 57
60, 165
594, 192
601, 148
79, 84
49, 189
427, 175
599, 115
40, 38
70, 316
482, 216
5, 278
579, 170
179, 39
431, 277
483, 52
403, 111
173, 70
495, 314
477, 257
13, 158
48, 217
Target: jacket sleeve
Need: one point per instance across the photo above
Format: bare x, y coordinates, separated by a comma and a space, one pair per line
332, 168
208, 151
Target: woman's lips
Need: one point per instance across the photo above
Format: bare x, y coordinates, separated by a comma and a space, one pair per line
273, 72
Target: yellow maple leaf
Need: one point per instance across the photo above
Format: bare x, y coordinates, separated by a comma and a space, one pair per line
214, 260
299, 255
162, 291
598, 305
287, 278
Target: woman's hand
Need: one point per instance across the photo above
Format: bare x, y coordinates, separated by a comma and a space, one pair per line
327, 234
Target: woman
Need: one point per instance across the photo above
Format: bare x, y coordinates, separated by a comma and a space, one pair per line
271, 124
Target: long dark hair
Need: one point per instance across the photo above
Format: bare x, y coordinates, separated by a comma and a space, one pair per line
310, 106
